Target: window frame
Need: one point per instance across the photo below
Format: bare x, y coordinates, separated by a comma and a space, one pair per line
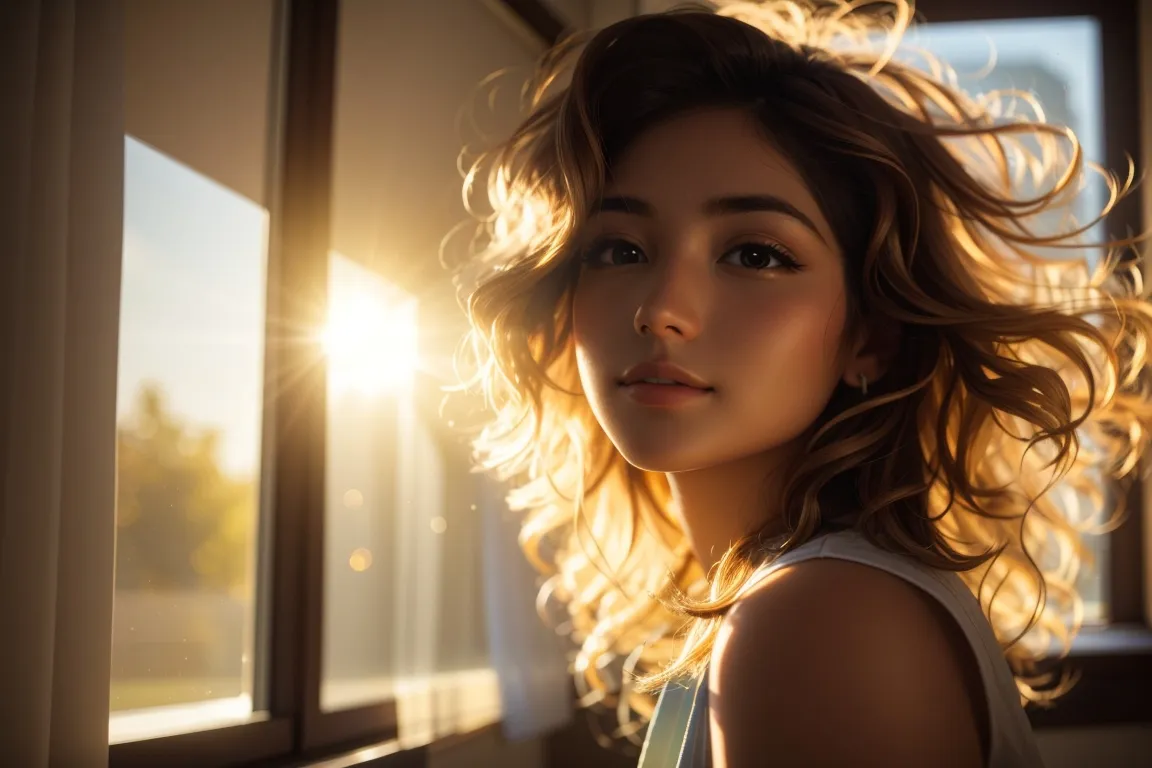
292, 729
300, 414
290, 544
1114, 659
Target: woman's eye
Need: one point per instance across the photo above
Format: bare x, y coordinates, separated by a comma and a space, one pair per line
760, 256
754, 256
612, 253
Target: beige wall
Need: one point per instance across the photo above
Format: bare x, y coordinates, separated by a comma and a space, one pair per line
577, 13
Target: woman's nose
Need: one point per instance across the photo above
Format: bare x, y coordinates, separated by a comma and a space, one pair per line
671, 306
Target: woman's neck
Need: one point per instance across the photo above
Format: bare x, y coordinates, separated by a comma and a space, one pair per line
719, 505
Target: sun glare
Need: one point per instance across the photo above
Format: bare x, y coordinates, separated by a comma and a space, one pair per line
370, 338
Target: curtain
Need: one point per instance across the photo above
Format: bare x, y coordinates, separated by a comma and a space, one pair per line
61, 205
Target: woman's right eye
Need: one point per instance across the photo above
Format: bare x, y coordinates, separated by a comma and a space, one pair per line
613, 253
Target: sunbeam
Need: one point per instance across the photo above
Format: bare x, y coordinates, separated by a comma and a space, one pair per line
370, 338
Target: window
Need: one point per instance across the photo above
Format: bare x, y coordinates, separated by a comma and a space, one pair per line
401, 547
190, 392
298, 558
1058, 61
191, 368
403, 616
1121, 649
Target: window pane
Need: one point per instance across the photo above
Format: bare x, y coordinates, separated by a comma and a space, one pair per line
191, 364
1058, 61
404, 616
402, 610
371, 343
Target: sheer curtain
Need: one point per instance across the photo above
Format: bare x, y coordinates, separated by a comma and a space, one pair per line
61, 200
529, 658
465, 646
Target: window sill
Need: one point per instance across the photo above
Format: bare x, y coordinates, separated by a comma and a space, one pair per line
1112, 640
437, 712
1114, 664
433, 712
395, 754
173, 720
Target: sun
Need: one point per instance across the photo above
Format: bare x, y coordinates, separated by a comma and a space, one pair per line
370, 338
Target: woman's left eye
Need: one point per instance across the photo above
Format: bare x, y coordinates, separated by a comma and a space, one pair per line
759, 256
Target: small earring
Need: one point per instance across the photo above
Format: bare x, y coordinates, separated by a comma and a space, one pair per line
863, 385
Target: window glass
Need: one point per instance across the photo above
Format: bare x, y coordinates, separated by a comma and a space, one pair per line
1058, 61
191, 365
403, 613
403, 608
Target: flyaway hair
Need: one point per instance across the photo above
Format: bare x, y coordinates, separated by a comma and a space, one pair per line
1009, 426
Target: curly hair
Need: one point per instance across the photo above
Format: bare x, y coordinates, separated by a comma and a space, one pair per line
1017, 400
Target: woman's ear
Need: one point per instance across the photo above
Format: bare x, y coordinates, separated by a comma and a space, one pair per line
873, 351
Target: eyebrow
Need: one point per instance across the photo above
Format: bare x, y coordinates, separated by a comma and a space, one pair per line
718, 206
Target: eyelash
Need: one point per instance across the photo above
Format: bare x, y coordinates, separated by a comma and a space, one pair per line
777, 251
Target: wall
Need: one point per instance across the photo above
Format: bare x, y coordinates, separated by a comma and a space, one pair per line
576, 13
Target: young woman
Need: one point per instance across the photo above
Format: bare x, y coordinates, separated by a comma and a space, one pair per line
773, 355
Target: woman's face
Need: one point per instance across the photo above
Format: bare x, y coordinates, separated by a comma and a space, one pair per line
709, 254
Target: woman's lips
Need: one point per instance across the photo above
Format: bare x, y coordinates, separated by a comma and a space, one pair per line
664, 395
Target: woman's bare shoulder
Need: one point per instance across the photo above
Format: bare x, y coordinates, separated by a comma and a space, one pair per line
836, 662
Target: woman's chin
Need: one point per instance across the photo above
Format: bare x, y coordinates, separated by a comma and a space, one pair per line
660, 457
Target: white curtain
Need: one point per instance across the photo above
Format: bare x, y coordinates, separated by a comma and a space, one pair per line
61, 201
529, 658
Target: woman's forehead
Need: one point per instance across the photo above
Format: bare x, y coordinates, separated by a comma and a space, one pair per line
705, 155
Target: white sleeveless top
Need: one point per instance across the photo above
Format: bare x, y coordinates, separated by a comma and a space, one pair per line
678, 735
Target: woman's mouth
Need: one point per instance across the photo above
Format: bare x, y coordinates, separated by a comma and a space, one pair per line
664, 393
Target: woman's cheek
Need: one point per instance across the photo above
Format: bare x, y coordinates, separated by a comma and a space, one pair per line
792, 338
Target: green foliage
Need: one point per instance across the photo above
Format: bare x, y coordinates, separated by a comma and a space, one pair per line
182, 523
